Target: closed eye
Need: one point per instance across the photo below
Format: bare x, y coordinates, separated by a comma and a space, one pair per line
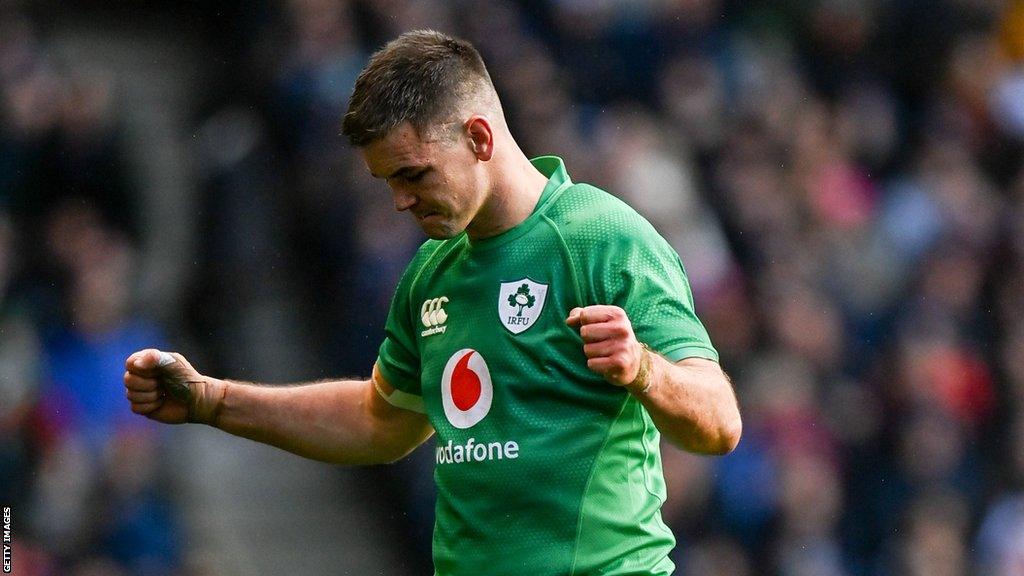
416, 176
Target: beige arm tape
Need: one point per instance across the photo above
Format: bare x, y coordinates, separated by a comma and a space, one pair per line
394, 396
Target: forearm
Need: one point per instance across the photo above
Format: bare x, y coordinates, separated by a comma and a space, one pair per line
328, 421
693, 406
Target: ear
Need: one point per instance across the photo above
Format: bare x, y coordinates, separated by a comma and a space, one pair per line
481, 137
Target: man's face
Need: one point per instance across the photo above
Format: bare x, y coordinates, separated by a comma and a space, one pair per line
436, 179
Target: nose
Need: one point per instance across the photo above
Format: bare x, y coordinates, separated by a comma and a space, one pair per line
403, 200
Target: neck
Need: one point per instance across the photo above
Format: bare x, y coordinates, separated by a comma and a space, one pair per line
516, 190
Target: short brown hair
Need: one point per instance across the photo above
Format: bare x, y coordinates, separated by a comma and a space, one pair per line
421, 77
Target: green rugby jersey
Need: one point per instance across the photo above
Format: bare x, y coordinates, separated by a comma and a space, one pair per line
542, 467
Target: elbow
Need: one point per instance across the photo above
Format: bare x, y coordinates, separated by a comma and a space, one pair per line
392, 456
728, 437
715, 441
371, 457
730, 427
731, 434
389, 448
384, 451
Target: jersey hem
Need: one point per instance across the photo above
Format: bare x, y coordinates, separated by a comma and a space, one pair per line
677, 353
397, 383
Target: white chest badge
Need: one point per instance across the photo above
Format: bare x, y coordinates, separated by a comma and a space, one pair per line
520, 304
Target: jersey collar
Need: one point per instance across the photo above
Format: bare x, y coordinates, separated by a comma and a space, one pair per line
558, 180
554, 168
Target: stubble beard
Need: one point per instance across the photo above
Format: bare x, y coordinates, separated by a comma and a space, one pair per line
440, 230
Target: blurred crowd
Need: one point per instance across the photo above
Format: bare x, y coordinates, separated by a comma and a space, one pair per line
843, 179
83, 477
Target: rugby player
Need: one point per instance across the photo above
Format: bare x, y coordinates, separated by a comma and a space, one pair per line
545, 332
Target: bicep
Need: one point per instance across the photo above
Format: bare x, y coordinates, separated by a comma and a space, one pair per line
711, 375
708, 371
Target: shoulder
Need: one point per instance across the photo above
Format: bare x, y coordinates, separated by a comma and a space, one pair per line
610, 245
427, 256
587, 217
432, 251
425, 251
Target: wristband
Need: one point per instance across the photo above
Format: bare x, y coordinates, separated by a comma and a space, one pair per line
199, 409
643, 375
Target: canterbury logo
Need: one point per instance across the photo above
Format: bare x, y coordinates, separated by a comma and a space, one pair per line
433, 316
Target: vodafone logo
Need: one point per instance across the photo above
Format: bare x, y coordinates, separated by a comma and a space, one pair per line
466, 390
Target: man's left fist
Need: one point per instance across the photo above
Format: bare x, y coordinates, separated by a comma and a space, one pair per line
611, 348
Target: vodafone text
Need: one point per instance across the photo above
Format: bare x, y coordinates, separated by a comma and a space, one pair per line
473, 452
7, 540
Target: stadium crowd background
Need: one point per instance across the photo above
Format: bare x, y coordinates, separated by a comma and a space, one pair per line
844, 180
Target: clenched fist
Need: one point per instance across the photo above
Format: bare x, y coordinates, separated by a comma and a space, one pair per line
163, 386
611, 348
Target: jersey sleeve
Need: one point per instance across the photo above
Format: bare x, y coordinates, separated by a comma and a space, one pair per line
637, 270
399, 358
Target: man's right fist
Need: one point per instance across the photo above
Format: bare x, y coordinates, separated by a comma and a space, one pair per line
164, 387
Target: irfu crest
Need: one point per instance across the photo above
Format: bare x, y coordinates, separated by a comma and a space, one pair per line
522, 298
520, 304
